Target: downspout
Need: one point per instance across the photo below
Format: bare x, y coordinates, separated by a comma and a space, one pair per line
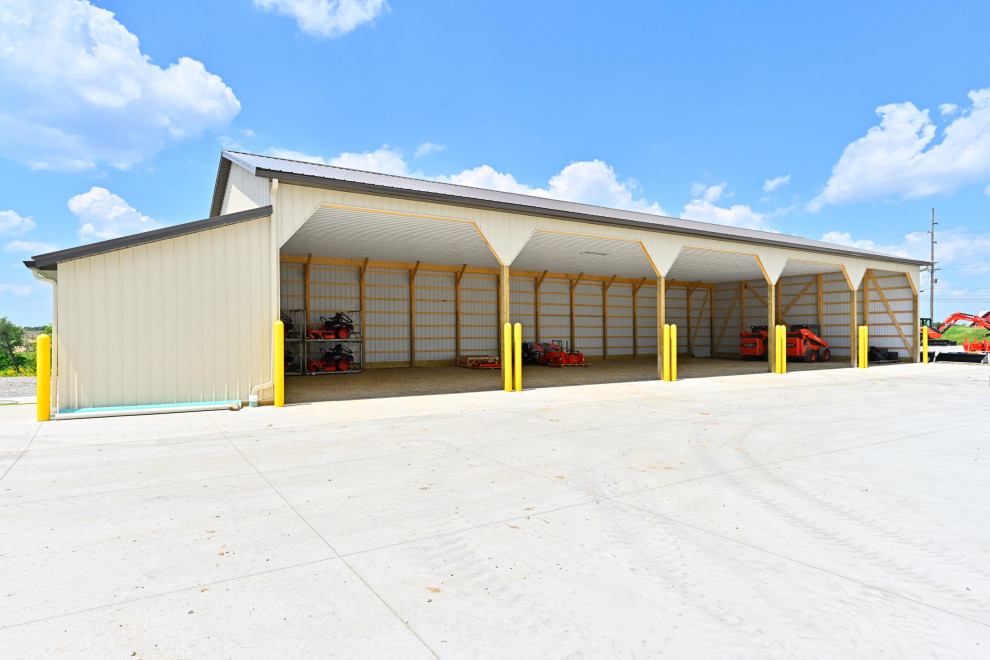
53, 280
269, 387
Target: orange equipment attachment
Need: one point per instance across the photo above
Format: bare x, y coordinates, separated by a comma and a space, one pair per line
936, 333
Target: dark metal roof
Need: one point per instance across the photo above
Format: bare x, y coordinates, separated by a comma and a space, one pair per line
50, 260
341, 178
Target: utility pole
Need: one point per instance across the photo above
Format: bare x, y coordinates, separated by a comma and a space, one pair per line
931, 273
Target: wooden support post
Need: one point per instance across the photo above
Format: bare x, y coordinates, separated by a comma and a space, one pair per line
853, 330
915, 327
742, 309
661, 320
687, 323
818, 290
539, 283
605, 288
503, 313
635, 314
457, 309
412, 314
711, 321
362, 325
771, 323
778, 304
306, 294
866, 298
574, 284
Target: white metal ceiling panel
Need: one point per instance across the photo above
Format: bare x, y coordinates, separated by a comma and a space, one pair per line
591, 255
712, 267
352, 234
800, 267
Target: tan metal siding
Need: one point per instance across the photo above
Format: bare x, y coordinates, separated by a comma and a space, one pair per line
244, 191
182, 320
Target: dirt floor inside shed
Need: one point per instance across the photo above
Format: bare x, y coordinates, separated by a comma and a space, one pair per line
376, 383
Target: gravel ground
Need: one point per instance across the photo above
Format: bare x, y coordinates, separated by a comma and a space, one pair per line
17, 386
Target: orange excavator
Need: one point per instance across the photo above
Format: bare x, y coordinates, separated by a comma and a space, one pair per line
935, 333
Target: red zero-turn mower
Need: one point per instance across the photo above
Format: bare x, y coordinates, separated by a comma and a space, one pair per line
289, 326
338, 326
336, 358
803, 341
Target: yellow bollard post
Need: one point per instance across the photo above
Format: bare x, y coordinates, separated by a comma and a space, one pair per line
864, 346
507, 356
517, 357
666, 351
924, 344
776, 349
44, 377
673, 352
278, 363
783, 349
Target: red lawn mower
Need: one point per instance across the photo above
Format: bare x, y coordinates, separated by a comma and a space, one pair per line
338, 326
336, 358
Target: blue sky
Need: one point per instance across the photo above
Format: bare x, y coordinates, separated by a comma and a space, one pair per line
847, 123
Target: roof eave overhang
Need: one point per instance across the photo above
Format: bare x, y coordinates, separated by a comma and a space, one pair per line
353, 186
50, 260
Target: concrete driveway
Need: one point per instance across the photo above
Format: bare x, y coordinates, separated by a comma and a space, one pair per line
841, 513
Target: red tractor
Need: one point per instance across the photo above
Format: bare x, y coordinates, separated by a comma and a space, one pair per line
552, 354
803, 341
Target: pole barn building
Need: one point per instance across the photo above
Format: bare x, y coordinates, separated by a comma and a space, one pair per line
395, 272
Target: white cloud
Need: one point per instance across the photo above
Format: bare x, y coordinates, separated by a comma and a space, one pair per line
384, 160
703, 209
326, 18
486, 176
772, 184
899, 159
296, 155
713, 193
956, 248
15, 224
737, 215
77, 91
948, 109
587, 182
104, 215
15, 289
427, 148
30, 247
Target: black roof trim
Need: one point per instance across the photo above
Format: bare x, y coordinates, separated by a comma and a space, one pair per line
220, 187
50, 260
456, 200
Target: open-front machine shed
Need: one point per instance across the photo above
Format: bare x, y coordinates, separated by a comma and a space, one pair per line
371, 271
